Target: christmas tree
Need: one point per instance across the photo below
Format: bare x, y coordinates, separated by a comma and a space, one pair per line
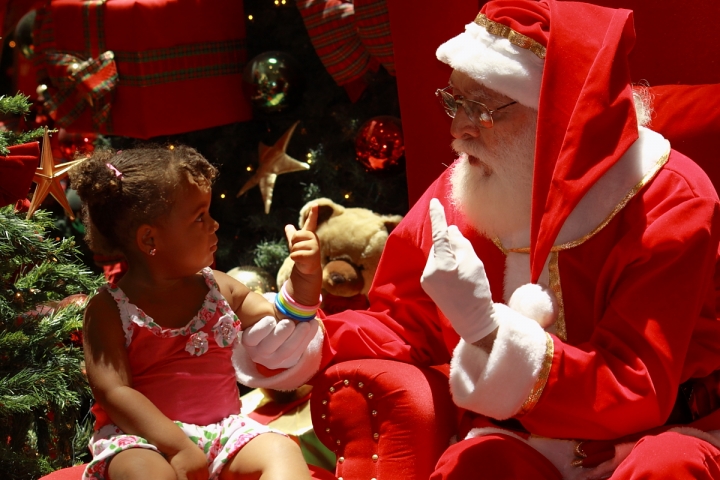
44, 395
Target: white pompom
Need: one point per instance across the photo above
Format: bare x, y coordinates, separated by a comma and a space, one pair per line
536, 302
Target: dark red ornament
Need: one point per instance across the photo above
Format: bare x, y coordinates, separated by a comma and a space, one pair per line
379, 144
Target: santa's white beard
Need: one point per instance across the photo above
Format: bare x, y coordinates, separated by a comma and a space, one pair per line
496, 197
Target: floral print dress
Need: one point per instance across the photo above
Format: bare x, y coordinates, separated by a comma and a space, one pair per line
188, 374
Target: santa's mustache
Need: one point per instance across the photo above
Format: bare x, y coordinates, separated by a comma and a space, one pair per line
463, 146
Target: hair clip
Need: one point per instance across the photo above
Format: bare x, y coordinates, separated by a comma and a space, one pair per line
117, 172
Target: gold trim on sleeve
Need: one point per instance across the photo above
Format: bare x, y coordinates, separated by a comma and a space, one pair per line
554, 274
517, 39
542, 379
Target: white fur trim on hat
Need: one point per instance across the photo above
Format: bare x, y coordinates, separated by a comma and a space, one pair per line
498, 384
496, 63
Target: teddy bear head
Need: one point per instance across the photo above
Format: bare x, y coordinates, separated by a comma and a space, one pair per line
351, 242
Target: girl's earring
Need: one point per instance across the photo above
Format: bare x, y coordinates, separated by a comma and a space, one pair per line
152, 251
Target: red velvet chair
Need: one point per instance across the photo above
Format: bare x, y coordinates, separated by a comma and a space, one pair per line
383, 419
387, 420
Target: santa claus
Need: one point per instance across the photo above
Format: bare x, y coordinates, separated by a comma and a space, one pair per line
574, 292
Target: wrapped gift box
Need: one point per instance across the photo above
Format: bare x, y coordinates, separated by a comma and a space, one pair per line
289, 413
142, 68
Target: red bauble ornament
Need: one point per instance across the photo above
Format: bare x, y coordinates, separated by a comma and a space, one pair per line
379, 144
72, 145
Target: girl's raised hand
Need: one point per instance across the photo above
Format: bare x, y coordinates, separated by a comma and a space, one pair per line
280, 342
304, 247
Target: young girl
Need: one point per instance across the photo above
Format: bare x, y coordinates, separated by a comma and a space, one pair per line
158, 344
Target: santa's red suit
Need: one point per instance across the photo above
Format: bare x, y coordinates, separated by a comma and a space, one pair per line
625, 233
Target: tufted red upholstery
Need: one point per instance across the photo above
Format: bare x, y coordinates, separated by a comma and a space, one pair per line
383, 419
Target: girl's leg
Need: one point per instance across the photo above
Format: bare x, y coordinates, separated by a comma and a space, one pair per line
140, 464
269, 456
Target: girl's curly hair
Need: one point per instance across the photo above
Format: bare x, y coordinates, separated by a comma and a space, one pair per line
121, 191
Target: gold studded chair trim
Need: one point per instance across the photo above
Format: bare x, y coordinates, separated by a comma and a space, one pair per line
517, 39
542, 379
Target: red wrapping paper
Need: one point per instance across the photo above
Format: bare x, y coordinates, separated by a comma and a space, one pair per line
175, 66
16, 172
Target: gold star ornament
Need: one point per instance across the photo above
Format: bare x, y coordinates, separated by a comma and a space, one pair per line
48, 177
273, 162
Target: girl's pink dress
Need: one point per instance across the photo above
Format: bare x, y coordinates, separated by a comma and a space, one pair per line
188, 374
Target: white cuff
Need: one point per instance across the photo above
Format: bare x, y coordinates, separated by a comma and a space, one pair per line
508, 380
309, 364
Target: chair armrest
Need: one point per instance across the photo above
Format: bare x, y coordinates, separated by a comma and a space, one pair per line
70, 473
383, 419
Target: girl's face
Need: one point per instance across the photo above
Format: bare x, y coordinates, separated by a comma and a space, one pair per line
186, 239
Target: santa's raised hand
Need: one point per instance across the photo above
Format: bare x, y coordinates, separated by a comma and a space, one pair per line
455, 279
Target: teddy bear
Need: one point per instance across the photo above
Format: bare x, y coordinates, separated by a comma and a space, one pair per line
351, 242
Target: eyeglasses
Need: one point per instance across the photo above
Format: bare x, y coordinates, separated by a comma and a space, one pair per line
477, 112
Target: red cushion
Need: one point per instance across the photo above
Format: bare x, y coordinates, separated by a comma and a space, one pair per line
409, 408
318, 473
72, 473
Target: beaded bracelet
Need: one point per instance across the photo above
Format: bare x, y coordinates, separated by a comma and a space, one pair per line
292, 309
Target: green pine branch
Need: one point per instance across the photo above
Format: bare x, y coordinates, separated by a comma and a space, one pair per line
44, 394
16, 105
22, 467
270, 255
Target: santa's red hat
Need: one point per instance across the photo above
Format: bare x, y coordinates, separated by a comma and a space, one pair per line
569, 61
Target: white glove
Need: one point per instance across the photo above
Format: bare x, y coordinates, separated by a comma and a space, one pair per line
276, 344
454, 277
